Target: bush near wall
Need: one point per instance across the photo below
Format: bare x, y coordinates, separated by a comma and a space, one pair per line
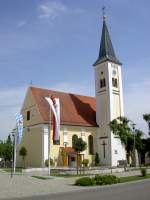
97, 180
51, 162
85, 181
143, 172
106, 179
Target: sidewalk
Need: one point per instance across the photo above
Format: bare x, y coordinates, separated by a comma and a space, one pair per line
25, 185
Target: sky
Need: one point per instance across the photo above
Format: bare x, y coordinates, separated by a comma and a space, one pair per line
54, 43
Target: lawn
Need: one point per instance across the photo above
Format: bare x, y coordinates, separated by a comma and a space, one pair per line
133, 178
18, 170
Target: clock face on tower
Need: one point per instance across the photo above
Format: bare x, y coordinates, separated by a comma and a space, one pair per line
114, 72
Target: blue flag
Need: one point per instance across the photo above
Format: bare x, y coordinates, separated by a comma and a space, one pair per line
19, 123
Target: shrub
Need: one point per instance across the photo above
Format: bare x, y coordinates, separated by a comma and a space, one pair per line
85, 181
51, 162
97, 160
98, 180
106, 179
143, 171
85, 162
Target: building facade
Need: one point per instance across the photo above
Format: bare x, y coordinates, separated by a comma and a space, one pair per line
81, 116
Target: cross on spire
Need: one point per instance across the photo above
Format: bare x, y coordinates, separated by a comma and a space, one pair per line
104, 12
106, 52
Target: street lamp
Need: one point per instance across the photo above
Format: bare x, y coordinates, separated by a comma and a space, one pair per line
13, 147
134, 157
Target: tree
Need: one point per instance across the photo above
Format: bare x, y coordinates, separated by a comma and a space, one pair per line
121, 127
79, 145
146, 117
23, 153
7, 149
1, 148
140, 146
74, 139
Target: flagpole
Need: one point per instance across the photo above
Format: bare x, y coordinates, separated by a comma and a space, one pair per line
15, 142
49, 144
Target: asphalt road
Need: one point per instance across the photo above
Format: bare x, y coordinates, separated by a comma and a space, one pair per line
128, 191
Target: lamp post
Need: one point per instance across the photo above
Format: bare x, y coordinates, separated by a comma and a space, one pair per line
134, 156
13, 147
49, 144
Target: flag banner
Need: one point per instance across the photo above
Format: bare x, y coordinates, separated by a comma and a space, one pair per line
19, 123
55, 107
57, 121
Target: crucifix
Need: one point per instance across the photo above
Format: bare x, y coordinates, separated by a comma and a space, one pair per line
104, 148
104, 12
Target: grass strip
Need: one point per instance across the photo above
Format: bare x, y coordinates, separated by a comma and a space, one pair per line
42, 177
133, 178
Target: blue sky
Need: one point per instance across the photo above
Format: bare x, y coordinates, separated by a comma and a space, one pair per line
55, 42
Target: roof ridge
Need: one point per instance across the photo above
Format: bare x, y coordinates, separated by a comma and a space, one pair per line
33, 87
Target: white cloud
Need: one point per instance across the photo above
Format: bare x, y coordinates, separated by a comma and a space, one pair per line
21, 23
51, 10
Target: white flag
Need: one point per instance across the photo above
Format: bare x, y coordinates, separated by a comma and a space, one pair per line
55, 107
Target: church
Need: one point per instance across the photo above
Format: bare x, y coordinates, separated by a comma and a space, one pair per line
80, 116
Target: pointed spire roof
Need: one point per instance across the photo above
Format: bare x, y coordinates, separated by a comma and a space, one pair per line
106, 52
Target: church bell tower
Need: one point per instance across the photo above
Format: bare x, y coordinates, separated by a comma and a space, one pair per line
109, 100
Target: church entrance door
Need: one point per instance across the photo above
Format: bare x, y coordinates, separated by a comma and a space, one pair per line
72, 161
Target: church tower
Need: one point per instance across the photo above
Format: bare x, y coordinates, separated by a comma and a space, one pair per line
109, 100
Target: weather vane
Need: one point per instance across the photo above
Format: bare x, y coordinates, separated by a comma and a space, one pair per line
104, 12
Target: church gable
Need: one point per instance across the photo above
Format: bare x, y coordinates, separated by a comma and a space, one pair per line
30, 110
75, 109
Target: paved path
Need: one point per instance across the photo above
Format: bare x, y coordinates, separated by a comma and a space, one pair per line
128, 191
25, 185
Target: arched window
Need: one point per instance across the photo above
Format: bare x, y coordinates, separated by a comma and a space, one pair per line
102, 83
114, 82
91, 145
74, 138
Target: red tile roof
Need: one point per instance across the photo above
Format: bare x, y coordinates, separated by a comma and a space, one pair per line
74, 109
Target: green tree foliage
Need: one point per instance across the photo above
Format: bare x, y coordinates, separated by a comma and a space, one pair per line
6, 149
79, 145
122, 127
74, 140
146, 117
1, 148
138, 141
23, 154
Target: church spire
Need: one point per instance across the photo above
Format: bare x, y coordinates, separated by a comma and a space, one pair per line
106, 52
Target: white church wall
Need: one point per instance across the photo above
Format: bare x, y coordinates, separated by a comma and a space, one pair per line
109, 105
